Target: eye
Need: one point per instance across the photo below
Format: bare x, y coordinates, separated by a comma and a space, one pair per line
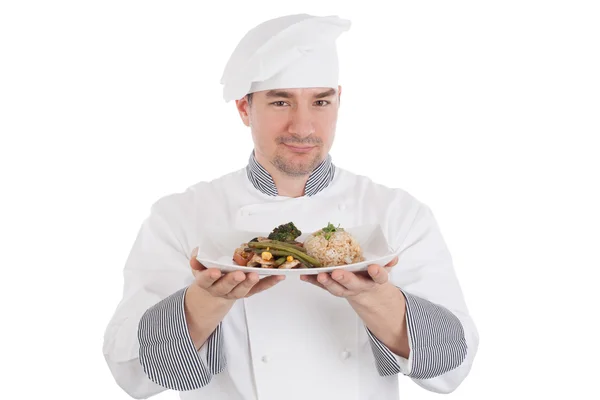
322, 103
278, 103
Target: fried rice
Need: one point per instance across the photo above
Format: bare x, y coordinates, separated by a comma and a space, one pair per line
340, 249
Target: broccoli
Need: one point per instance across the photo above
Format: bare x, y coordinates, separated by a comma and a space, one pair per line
285, 233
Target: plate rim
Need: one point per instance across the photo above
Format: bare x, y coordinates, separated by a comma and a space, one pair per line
298, 271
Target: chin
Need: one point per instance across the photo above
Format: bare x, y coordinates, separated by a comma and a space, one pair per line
297, 164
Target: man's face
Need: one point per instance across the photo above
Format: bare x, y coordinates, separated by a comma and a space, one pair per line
293, 129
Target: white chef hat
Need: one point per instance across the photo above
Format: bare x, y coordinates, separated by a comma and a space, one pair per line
294, 51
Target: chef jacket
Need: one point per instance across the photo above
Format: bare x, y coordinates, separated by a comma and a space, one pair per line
295, 340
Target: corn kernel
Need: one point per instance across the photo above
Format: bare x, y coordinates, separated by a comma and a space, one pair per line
290, 259
266, 255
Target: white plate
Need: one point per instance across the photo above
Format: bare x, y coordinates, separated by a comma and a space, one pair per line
216, 251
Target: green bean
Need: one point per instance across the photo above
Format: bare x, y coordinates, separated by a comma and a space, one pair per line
295, 253
281, 255
275, 253
280, 261
293, 246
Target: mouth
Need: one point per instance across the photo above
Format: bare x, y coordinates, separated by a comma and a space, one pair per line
299, 149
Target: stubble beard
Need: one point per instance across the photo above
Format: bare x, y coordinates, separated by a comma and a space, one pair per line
296, 169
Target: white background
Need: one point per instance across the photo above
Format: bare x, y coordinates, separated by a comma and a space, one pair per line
486, 111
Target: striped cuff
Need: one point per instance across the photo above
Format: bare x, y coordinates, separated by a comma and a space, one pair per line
167, 352
436, 338
387, 362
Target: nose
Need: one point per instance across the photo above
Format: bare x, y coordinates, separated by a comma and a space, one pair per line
301, 122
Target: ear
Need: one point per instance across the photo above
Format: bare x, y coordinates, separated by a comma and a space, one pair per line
339, 93
243, 108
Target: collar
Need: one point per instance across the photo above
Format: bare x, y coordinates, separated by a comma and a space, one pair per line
318, 180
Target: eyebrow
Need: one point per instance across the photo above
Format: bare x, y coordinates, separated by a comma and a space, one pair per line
328, 93
279, 93
288, 95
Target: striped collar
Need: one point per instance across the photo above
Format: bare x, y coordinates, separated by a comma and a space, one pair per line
318, 180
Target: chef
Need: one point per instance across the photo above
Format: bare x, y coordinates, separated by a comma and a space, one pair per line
213, 335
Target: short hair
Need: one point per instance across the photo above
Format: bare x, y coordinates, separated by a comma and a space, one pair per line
249, 98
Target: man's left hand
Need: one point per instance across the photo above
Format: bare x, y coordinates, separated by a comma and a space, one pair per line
351, 285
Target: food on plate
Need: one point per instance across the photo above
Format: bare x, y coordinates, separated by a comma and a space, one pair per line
285, 233
279, 249
333, 246
326, 247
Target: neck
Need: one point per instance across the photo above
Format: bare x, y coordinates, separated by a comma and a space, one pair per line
287, 186
290, 187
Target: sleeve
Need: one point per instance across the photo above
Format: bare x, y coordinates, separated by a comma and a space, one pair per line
147, 346
167, 353
443, 339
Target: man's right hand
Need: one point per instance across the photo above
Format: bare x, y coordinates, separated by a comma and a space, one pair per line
212, 295
231, 286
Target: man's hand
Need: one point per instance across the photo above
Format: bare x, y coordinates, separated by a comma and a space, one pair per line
352, 285
212, 295
231, 286
379, 304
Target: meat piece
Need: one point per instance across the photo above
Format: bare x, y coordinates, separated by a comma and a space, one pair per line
289, 264
257, 261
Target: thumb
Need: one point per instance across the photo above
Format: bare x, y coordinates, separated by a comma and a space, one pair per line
393, 262
194, 263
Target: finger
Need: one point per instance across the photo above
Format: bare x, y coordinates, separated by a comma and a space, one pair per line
242, 289
392, 263
194, 263
312, 279
351, 281
378, 274
205, 279
332, 286
266, 283
226, 283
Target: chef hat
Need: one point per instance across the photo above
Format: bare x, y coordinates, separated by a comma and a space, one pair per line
294, 51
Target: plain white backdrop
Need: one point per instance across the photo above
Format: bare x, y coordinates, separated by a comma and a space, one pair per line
489, 112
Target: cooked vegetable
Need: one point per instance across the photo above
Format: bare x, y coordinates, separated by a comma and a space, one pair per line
280, 249
329, 230
279, 261
240, 260
285, 233
296, 253
242, 255
299, 248
279, 253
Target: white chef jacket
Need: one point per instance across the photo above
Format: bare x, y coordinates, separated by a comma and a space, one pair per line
293, 341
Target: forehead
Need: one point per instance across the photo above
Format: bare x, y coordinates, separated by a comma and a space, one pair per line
316, 92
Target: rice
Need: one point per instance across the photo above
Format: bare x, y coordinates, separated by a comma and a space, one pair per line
340, 249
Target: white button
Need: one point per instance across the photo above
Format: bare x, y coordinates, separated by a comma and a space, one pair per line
265, 359
345, 355
342, 206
